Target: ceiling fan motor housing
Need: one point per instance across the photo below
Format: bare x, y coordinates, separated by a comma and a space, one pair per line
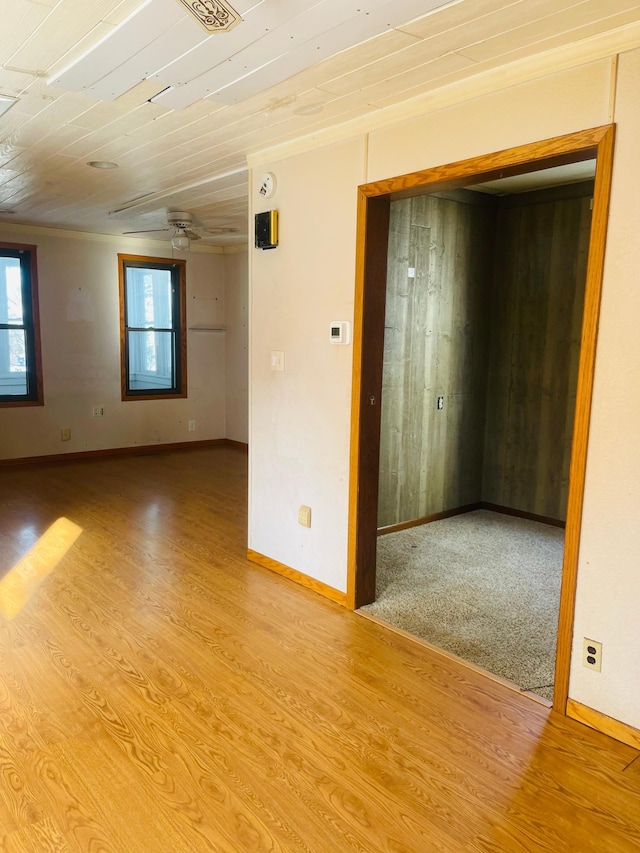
179, 219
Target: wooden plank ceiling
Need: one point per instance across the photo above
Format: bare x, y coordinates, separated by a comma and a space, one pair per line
83, 73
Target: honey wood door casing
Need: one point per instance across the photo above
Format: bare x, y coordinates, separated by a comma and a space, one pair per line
596, 142
366, 392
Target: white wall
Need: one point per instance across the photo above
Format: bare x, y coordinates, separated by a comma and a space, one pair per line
566, 102
80, 331
300, 419
608, 600
237, 345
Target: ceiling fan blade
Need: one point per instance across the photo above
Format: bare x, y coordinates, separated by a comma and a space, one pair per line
148, 231
192, 235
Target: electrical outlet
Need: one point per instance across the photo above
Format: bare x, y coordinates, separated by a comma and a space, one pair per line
98, 411
65, 434
592, 654
304, 516
192, 426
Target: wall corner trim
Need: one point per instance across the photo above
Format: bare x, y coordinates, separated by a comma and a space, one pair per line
117, 239
298, 577
602, 723
237, 249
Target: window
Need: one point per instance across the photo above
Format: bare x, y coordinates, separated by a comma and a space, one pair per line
152, 328
20, 362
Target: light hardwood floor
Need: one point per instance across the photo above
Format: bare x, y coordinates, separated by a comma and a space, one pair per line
160, 694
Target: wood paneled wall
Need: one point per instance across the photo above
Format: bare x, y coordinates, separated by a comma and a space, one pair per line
490, 319
435, 344
536, 317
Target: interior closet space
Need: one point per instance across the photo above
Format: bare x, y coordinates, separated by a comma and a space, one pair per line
482, 340
484, 307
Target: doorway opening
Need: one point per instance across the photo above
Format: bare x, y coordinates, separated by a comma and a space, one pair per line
482, 365
485, 290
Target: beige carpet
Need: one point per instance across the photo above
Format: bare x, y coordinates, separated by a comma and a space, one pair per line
483, 586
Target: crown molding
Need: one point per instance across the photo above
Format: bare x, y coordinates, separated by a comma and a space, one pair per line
240, 248
116, 239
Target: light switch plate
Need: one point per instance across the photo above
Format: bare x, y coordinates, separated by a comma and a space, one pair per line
277, 360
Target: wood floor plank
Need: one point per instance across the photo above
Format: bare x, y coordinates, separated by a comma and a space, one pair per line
42, 837
280, 753
158, 692
632, 775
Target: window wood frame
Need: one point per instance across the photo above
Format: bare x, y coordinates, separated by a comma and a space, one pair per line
143, 261
32, 330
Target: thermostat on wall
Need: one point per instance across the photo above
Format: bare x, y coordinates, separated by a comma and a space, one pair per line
340, 332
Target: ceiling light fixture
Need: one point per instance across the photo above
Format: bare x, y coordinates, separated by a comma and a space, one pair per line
102, 164
180, 239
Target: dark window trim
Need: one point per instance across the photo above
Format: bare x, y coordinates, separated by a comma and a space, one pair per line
143, 261
32, 328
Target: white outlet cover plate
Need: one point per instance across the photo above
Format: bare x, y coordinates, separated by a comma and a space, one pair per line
597, 666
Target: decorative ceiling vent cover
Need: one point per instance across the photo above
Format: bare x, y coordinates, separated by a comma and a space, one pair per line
215, 16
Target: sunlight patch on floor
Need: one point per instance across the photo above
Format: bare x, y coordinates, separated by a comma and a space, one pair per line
20, 583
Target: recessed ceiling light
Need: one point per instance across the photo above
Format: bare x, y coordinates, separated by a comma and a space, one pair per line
308, 110
6, 102
102, 164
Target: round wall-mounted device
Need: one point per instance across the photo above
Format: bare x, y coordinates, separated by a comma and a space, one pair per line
267, 185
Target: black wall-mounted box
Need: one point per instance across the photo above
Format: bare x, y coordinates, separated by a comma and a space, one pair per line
266, 226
